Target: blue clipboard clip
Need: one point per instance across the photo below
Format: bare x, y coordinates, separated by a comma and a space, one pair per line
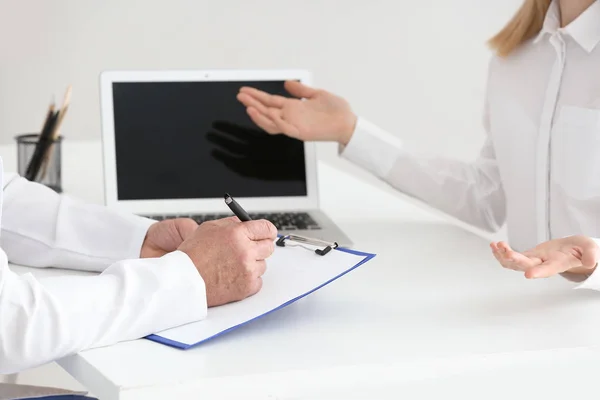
302, 240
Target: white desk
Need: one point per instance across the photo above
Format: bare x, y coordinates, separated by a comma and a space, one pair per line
431, 315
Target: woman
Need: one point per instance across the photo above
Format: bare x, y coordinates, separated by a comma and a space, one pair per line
539, 169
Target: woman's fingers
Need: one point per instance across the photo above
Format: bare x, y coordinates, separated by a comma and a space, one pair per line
499, 255
512, 259
282, 125
501, 260
267, 117
300, 90
251, 102
504, 247
263, 121
268, 100
522, 262
555, 265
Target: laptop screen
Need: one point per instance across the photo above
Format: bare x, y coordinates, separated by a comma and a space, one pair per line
194, 140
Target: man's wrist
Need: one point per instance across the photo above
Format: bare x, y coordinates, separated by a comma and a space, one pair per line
145, 247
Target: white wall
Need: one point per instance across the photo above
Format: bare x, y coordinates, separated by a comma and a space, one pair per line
415, 67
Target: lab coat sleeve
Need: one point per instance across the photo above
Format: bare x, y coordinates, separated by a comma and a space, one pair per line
471, 192
41, 228
45, 319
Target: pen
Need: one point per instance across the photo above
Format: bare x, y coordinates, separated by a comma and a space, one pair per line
40, 148
236, 208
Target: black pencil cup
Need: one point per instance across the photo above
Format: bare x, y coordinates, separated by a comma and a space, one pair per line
49, 173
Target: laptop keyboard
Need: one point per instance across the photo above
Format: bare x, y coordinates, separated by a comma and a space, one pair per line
288, 221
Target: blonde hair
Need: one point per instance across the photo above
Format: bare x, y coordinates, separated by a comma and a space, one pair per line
525, 24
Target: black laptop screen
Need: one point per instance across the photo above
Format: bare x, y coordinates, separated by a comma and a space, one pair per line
194, 140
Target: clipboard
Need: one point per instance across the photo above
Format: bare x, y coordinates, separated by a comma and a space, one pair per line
293, 272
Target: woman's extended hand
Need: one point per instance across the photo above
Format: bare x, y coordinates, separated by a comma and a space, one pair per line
575, 254
312, 115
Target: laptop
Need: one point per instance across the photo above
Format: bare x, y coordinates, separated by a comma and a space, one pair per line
174, 142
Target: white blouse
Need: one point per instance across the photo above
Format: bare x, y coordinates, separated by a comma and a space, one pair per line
539, 169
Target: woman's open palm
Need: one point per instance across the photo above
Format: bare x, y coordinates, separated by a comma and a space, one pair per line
312, 115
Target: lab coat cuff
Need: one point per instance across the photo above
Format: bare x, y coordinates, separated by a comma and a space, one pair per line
593, 281
193, 288
140, 228
372, 148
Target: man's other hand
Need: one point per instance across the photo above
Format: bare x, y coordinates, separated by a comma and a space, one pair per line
166, 236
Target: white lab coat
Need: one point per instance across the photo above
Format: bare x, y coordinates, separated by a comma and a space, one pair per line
539, 169
45, 319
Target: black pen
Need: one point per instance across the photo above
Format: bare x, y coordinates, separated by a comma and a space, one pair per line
236, 208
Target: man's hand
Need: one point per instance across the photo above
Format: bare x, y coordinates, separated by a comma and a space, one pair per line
230, 256
575, 254
166, 236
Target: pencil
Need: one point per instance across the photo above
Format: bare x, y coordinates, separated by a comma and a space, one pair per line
49, 115
56, 131
44, 133
63, 111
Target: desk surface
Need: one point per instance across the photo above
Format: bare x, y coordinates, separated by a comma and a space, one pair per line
411, 304
432, 301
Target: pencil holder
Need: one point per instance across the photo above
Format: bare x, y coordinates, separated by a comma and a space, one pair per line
49, 171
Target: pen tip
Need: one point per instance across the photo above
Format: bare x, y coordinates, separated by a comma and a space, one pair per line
227, 196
